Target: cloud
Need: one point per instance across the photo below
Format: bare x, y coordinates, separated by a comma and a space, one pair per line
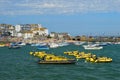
30, 7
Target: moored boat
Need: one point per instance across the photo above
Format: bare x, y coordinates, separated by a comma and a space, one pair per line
21, 43
88, 57
53, 45
46, 58
95, 59
2, 45
92, 47
52, 59
14, 46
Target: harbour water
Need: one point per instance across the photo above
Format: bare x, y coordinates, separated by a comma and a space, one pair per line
18, 64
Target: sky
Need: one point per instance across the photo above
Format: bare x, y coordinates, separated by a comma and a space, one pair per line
77, 17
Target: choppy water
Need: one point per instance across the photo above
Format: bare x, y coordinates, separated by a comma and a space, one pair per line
17, 64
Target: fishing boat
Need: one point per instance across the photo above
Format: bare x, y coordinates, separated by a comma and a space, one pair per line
95, 59
14, 46
2, 45
92, 47
21, 43
53, 45
78, 55
52, 59
57, 62
103, 44
46, 58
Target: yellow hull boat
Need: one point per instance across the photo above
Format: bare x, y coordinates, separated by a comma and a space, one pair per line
99, 60
46, 58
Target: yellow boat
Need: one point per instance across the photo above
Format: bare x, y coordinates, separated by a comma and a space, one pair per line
78, 55
2, 45
46, 58
52, 59
88, 56
73, 53
38, 54
82, 55
99, 59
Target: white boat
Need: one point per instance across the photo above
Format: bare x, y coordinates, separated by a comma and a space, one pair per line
92, 47
117, 43
38, 44
53, 45
21, 43
14, 46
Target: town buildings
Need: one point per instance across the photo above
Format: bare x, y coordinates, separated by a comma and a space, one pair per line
37, 33
23, 30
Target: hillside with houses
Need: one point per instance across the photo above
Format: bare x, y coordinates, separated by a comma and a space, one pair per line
35, 33
32, 33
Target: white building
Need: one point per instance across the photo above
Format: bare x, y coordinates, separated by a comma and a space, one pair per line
19, 34
11, 29
40, 31
28, 34
30, 30
46, 31
52, 34
17, 28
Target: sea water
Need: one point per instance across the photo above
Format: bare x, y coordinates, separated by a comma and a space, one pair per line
18, 64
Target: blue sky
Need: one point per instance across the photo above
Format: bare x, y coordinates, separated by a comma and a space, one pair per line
77, 17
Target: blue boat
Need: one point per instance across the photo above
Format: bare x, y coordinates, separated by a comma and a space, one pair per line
14, 46
43, 47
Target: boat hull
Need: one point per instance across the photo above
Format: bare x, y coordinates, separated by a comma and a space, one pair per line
93, 47
57, 62
99, 60
14, 47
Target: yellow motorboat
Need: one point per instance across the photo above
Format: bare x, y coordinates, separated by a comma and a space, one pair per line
46, 58
38, 54
89, 57
56, 60
78, 55
104, 59
83, 55
99, 59
73, 53
2, 45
